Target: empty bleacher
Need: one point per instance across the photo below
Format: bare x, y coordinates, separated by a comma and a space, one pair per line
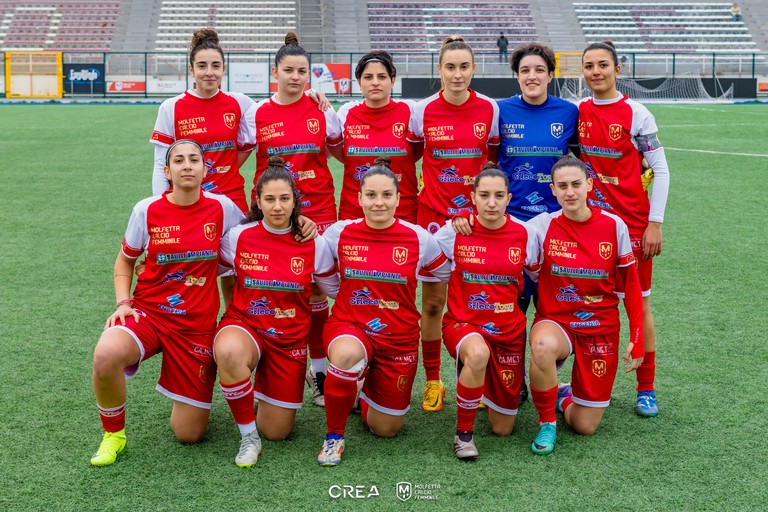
417, 26
666, 27
66, 25
245, 25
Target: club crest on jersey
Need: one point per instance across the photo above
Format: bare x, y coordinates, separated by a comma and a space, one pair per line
210, 231
313, 125
599, 367
297, 265
606, 250
507, 377
556, 129
400, 255
614, 131
398, 130
480, 130
402, 382
514, 255
229, 120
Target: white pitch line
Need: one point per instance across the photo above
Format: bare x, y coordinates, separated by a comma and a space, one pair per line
732, 111
708, 125
758, 155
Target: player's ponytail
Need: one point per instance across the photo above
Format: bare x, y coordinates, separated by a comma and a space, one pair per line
290, 48
275, 171
603, 45
381, 167
490, 170
204, 39
454, 43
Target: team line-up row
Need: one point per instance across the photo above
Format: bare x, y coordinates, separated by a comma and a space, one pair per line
585, 227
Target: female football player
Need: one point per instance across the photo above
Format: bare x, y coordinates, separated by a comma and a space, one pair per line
615, 134
459, 130
374, 324
174, 305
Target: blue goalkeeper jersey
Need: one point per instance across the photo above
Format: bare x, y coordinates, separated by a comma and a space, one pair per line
533, 138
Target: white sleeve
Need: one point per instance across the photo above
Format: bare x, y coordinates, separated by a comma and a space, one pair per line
432, 259
494, 133
331, 237
159, 180
228, 246
624, 249
446, 238
416, 123
660, 187
344, 110
333, 128
325, 275
136, 239
534, 254
246, 132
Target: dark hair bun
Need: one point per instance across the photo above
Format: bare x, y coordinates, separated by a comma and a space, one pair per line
291, 38
384, 161
203, 35
610, 43
276, 161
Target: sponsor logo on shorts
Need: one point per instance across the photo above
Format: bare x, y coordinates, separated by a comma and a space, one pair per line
402, 382
202, 373
584, 316
200, 350
490, 329
271, 332
375, 325
510, 358
601, 349
507, 377
599, 367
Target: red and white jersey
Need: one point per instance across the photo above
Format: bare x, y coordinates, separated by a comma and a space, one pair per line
274, 279
613, 135
368, 134
217, 124
578, 272
378, 270
487, 274
456, 140
298, 133
182, 252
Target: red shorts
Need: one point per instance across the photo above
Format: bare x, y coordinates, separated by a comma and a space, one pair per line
644, 268
506, 366
188, 370
389, 380
279, 378
596, 359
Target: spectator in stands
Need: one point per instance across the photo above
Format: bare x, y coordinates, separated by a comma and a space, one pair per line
502, 42
615, 133
378, 126
736, 12
459, 130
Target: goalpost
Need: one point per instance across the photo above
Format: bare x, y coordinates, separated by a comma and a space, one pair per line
33, 74
687, 87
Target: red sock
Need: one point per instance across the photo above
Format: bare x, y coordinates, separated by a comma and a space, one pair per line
112, 418
240, 400
430, 354
646, 374
316, 324
567, 401
467, 400
545, 401
340, 391
364, 411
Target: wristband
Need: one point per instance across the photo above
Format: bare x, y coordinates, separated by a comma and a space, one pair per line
124, 302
